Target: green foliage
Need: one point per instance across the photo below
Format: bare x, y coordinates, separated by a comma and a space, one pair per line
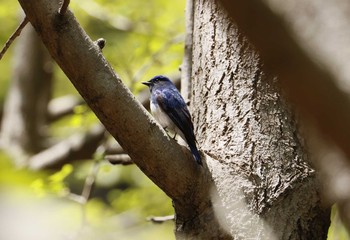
12, 177
53, 184
143, 194
146, 46
82, 120
124, 189
144, 38
337, 230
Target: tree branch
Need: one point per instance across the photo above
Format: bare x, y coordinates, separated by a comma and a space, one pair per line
78, 146
309, 86
62, 106
165, 162
13, 36
122, 159
90, 180
161, 219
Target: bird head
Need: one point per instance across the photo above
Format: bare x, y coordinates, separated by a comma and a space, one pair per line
157, 81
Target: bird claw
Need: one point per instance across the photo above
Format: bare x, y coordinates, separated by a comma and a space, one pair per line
167, 132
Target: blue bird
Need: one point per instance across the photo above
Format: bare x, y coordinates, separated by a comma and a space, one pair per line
170, 110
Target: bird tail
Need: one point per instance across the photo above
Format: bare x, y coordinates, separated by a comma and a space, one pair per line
195, 153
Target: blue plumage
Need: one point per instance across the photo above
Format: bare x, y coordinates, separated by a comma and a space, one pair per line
170, 110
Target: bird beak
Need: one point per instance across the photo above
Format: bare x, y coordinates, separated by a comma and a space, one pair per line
147, 83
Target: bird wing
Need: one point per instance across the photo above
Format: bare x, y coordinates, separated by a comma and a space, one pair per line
171, 102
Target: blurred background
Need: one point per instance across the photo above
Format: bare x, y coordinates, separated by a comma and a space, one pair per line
55, 181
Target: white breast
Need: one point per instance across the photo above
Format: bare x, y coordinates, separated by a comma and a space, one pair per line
164, 120
161, 117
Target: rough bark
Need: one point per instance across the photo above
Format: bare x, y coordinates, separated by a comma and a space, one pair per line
310, 53
27, 100
248, 129
310, 85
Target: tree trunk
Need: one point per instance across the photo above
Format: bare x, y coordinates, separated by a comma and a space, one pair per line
259, 163
26, 104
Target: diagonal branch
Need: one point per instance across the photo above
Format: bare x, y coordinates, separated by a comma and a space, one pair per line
78, 146
165, 162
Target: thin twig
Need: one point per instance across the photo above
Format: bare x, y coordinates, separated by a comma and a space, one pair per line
76, 198
161, 219
90, 180
13, 36
64, 7
85, 195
